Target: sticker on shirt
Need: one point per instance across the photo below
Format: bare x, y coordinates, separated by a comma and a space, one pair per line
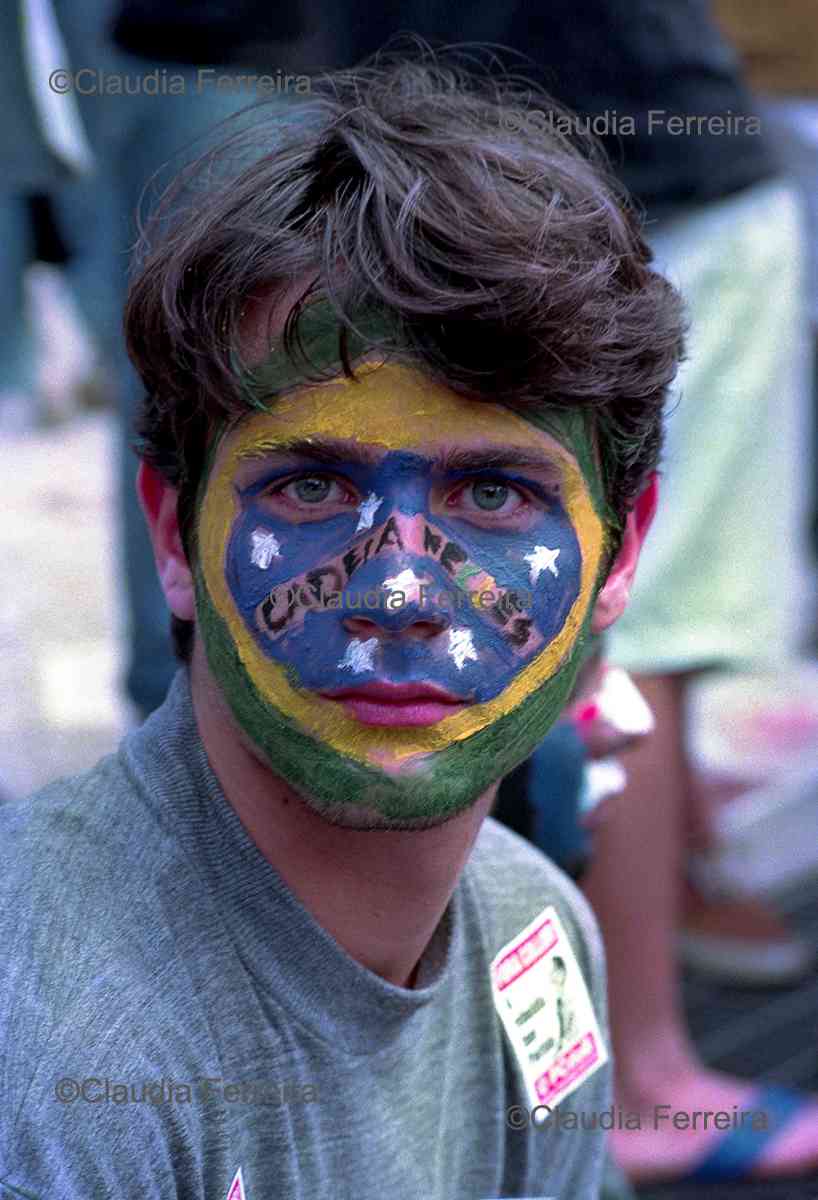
236, 1190
542, 999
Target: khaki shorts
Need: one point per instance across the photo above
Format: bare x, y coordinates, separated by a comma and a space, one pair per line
724, 576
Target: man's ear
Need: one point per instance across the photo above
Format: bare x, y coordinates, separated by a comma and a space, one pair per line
159, 502
616, 591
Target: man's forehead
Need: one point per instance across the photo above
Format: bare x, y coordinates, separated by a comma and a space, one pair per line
397, 407
394, 407
263, 316
436, 454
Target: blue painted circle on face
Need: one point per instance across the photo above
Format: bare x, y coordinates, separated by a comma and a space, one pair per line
463, 648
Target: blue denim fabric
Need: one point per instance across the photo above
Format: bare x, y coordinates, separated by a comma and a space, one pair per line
555, 779
540, 800
17, 368
28, 163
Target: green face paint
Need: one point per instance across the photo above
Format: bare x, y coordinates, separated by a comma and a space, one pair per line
508, 673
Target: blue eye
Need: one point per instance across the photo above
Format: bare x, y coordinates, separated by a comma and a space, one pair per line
312, 492
312, 489
490, 496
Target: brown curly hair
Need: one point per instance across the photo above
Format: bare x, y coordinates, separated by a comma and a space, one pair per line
504, 254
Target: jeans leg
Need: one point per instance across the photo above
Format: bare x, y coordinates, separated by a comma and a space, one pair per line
17, 355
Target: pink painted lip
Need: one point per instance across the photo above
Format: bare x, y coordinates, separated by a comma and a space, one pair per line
398, 703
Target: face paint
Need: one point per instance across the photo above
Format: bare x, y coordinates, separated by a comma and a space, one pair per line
542, 559
359, 656
490, 611
265, 548
367, 509
461, 647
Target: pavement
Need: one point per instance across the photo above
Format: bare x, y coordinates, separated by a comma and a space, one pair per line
62, 620
61, 616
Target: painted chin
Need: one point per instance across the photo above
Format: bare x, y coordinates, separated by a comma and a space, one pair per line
398, 713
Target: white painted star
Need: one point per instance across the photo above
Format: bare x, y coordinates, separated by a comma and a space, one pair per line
461, 646
542, 559
367, 508
265, 548
358, 656
405, 583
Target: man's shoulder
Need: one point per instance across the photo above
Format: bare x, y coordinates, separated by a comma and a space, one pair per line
112, 818
515, 881
501, 857
89, 938
80, 905
76, 832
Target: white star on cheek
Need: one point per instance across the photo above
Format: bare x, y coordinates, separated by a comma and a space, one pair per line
358, 656
265, 548
461, 647
542, 559
367, 508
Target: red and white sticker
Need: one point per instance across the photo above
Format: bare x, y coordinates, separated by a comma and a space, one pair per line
236, 1189
543, 1002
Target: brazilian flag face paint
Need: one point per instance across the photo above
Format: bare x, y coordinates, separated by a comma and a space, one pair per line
382, 533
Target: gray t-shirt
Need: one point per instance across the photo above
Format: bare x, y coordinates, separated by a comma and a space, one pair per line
148, 945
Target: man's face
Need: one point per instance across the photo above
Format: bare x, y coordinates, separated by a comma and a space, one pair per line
390, 581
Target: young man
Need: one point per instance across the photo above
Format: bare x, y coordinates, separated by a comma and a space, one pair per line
405, 374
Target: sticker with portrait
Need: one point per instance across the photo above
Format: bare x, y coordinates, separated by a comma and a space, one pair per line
541, 997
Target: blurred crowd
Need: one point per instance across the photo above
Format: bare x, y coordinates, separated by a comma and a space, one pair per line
620, 794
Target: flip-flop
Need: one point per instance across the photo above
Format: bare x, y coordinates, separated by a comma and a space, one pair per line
734, 1155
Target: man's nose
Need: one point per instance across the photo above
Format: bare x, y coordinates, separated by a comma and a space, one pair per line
419, 615
409, 621
407, 602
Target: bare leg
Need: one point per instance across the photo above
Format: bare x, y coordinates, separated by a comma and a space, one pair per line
635, 887
636, 871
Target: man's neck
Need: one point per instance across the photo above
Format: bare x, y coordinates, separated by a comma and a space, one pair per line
379, 893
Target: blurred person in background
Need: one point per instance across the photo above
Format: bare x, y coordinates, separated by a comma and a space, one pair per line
724, 579
724, 582
42, 145
779, 52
